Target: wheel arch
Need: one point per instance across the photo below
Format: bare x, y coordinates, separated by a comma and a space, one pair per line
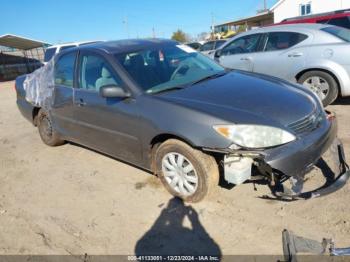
35, 114
298, 75
158, 140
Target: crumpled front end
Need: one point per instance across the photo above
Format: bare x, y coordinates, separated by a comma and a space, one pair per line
320, 148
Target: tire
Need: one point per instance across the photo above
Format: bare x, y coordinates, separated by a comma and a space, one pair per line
46, 131
326, 79
205, 170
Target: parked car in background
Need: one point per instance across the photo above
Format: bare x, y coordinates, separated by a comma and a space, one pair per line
338, 18
55, 49
314, 55
195, 45
180, 115
210, 46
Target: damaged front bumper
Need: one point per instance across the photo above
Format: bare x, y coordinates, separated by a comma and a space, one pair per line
333, 167
296, 248
320, 148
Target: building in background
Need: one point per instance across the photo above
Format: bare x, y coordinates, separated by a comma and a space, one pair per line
19, 55
284, 9
263, 18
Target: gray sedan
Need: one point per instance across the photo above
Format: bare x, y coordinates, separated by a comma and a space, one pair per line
168, 109
317, 56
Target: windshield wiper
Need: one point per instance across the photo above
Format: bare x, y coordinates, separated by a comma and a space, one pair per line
166, 89
209, 77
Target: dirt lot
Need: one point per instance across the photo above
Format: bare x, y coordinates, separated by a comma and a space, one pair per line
71, 200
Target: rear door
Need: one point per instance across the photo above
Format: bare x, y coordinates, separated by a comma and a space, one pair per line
280, 57
109, 125
62, 103
239, 54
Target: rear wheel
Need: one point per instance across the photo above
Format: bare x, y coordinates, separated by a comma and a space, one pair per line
46, 130
186, 172
322, 84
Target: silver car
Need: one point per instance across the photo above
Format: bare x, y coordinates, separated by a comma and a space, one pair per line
315, 55
209, 47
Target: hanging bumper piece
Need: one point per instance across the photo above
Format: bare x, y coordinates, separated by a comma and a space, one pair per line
333, 167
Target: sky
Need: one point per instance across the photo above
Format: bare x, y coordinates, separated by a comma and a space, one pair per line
63, 21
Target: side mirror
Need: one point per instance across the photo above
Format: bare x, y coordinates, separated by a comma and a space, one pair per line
217, 53
113, 91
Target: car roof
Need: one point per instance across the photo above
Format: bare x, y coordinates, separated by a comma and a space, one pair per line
299, 26
128, 45
287, 27
71, 44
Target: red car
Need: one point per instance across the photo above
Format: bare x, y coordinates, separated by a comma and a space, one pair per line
338, 18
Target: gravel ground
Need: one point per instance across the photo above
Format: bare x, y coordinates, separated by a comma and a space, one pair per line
71, 200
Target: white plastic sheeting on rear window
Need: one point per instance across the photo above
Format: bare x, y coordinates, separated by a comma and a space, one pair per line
39, 85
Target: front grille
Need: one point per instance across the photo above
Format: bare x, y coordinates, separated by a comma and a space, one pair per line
307, 124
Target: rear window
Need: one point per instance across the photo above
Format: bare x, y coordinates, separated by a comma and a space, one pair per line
49, 53
342, 33
208, 46
340, 21
195, 46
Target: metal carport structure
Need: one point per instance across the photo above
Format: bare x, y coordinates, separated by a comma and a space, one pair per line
19, 55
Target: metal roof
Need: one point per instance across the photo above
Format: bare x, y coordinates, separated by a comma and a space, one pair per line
257, 17
19, 42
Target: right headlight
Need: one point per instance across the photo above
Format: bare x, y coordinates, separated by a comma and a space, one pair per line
255, 136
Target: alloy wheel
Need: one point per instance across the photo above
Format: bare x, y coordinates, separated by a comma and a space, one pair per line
318, 85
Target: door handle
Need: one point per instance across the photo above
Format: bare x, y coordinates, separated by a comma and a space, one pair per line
81, 102
246, 59
295, 55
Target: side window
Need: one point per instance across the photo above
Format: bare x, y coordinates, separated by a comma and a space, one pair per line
64, 70
305, 9
96, 72
49, 53
242, 45
283, 40
219, 43
208, 46
66, 47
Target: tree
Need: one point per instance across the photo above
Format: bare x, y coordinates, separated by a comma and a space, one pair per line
203, 36
242, 28
180, 36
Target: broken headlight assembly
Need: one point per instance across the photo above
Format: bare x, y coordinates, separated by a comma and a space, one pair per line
255, 136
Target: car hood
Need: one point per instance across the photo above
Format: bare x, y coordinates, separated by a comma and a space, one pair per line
242, 97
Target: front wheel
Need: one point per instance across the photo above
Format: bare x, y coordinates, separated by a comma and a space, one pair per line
322, 84
46, 130
186, 172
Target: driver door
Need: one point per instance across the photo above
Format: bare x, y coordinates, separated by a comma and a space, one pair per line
109, 125
239, 54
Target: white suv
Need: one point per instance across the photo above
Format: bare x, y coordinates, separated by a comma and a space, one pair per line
55, 49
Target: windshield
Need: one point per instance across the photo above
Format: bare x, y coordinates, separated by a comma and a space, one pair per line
342, 33
168, 67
